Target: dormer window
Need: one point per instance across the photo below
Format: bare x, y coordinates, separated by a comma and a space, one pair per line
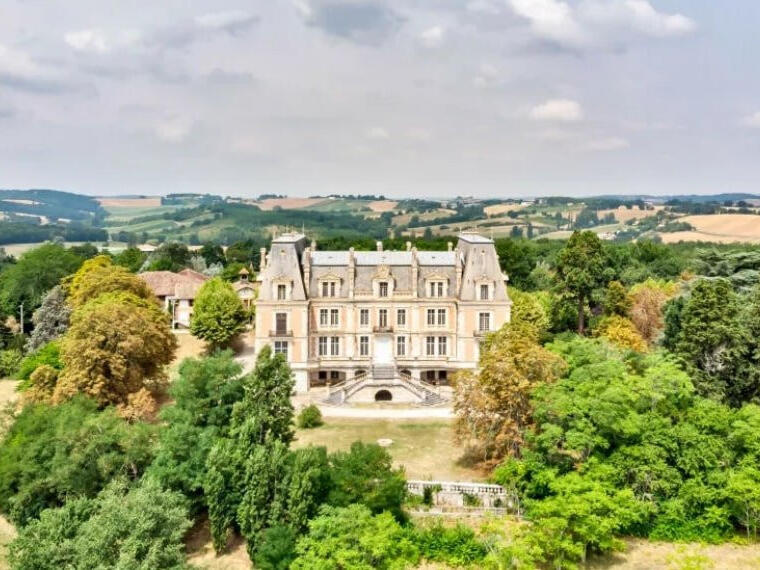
282, 292
484, 289
329, 288
382, 290
437, 288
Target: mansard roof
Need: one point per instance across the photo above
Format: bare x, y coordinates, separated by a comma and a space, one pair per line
338, 258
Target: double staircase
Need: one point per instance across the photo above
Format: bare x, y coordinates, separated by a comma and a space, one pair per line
384, 377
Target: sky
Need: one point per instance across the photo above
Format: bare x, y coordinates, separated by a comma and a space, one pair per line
407, 98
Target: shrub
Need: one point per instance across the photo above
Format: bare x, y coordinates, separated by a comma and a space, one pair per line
310, 417
455, 546
49, 354
275, 548
9, 361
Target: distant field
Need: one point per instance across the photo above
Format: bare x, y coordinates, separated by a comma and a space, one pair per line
675, 237
497, 209
623, 214
288, 203
740, 226
382, 205
149, 202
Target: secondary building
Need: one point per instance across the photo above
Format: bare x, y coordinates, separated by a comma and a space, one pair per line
381, 324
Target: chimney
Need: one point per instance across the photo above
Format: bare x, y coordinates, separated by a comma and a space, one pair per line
306, 260
415, 271
408, 246
351, 272
379, 246
262, 258
450, 246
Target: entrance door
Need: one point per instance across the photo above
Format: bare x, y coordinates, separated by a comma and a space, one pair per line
383, 350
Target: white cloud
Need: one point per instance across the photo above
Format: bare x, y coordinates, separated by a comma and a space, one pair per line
483, 7
753, 120
598, 22
229, 20
551, 20
91, 40
649, 21
432, 37
377, 133
17, 63
557, 110
487, 76
173, 129
606, 144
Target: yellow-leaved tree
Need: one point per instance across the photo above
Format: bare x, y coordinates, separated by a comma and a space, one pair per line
621, 332
493, 405
98, 276
117, 347
647, 310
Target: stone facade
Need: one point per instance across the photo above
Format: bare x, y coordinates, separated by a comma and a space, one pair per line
341, 315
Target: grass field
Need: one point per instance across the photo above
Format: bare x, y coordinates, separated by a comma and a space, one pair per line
425, 448
720, 228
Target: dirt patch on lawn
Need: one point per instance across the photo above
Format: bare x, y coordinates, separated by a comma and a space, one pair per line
200, 551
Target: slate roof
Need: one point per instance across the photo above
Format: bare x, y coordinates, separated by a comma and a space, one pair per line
339, 258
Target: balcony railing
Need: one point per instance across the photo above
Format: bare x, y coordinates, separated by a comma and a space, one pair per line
280, 332
481, 332
382, 329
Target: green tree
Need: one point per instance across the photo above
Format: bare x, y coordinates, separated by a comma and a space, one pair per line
218, 313
131, 258
712, 339
616, 300
141, 528
203, 396
365, 475
352, 537
54, 454
212, 253
582, 268
262, 417
36, 272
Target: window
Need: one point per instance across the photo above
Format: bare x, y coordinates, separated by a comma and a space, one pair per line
442, 345
436, 288
430, 346
281, 323
401, 317
441, 317
281, 347
431, 317
322, 317
382, 318
334, 346
322, 346
281, 292
334, 375
401, 346
484, 321
484, 292
383, 289
364, 317
363, 346
334, 317
328, 288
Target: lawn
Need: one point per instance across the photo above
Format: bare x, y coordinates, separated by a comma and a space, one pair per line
425, 448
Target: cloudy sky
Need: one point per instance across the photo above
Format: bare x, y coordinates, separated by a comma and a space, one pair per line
402, 97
